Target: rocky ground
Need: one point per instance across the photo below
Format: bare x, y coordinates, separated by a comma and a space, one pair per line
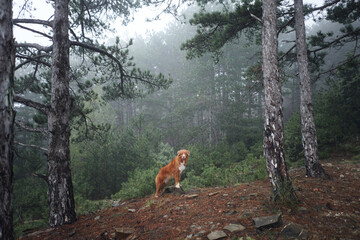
328, 209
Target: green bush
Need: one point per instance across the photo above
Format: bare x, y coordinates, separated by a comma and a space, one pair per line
142, 181
250, 169
139, 184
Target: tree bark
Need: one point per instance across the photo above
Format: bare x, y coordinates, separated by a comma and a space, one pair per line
60, 193
7, 62
273, 116
308, 130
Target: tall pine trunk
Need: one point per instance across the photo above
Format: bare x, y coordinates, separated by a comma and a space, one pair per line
308, 130
7, 62
60, 193
273, 116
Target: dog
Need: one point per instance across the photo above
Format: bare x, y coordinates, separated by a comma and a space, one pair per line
173, 170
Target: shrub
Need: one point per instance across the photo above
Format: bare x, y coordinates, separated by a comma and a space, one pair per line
139, 184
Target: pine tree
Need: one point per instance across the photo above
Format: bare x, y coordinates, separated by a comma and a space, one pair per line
273, 126
60, 191
7, 57
308, 130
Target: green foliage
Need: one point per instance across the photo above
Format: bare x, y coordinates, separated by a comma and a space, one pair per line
101, 165
30, 208
142, 181
32, 224
216, 29
225, 174
85, 206
292, 141
139, 184
337, 112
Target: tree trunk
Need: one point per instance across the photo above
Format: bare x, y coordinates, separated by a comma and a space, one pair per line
308, 130
60, 194
7, 62
273, 116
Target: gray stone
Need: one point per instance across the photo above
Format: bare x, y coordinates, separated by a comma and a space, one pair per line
200, 233
216, 235
267, 222
293, 230
97, 218
123, 233
191, 196
303, 210
131, 210
234, 227
116, 204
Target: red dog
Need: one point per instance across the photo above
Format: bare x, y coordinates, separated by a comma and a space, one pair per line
173, 170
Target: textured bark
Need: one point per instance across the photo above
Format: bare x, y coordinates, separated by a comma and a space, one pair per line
308, 130
60, 193
7, 56
273, 126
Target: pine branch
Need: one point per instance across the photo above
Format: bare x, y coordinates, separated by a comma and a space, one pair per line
34, 45
337, 66
323, 7
285, 54
32, 59
102, 51
30, 129
33, 21
256, 18
39, 175
38, 106
33, 30
31, 145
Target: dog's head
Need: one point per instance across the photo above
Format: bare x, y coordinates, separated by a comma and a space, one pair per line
183, 154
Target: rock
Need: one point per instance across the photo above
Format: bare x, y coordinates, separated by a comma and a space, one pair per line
116, 204
72, 233
213, 194
97, 218
230, 204
303, 210
293, 230
329, 206
191, 196
200, 233
234, 227
131, 210
216, 235
123, 233
267, 222
230, 213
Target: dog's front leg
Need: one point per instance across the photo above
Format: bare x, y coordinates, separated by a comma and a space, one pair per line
177, 179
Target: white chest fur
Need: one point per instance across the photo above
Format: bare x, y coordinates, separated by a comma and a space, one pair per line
182, 167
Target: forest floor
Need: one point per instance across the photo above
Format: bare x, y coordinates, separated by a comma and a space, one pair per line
328, 209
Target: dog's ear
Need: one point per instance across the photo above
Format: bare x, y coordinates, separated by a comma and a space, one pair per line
178, 153
188, 152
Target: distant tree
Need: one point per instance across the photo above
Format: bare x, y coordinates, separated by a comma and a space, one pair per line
309, 137
7, 56
273, 118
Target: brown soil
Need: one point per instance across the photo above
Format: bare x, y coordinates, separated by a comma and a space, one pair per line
329, 209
